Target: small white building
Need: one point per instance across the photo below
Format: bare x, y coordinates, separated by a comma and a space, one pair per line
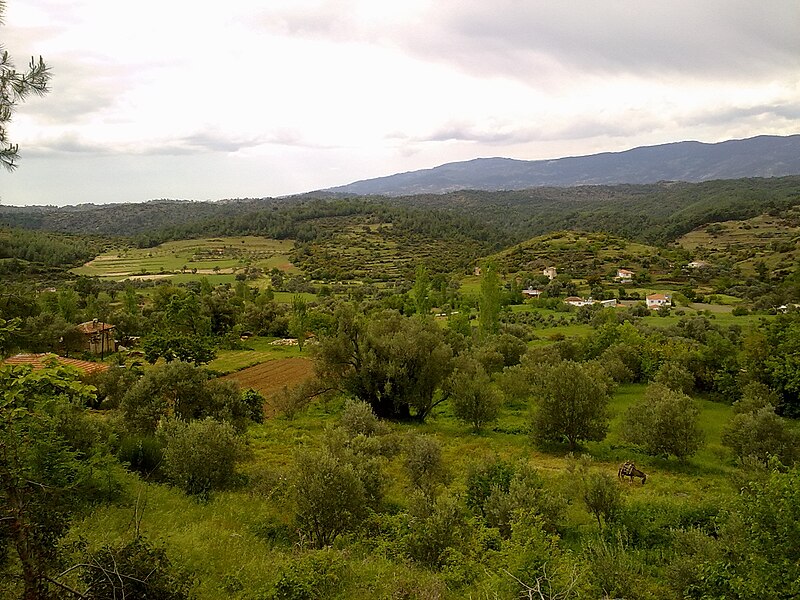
531, 293
697, 264
624, 276
658, 300
550, 273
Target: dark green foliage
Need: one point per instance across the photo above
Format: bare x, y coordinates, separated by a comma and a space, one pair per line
181, 390
424, 463
137, 569
652, 524
200, 456
44, 478
177, 346
675, 377
113, 384
473, 396
526, 493
329, 496
396, 364
665, 423
254, 402
602, 497
141, 453
483, 478
358, 419
761, 434
489, 302
781, 363
571, 403
759, 555
435, 527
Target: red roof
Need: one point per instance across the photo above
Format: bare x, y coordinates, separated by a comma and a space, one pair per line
38, 361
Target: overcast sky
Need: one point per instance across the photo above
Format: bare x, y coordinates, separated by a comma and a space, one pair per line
253, 98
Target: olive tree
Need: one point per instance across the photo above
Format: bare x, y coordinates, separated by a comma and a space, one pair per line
665, 423
474, 398
200, 456
330, 498
571, 402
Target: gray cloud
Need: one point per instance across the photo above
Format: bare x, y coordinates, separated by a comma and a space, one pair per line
540, 39
732, 38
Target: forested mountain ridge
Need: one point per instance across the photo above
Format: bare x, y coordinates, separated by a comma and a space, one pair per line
654, 213
762, 156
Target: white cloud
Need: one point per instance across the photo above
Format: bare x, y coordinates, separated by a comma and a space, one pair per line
317, 93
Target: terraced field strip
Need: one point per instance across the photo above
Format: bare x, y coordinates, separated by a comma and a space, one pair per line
271, 377
193, 258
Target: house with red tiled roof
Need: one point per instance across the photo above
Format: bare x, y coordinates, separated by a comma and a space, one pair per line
658, 300
38, 361
98, 337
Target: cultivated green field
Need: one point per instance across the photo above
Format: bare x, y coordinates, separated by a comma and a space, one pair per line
186, 260
255, 350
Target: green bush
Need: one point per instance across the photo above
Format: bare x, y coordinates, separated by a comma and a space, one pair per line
665, 423
424, 464
200, 456
314, 576
329, 496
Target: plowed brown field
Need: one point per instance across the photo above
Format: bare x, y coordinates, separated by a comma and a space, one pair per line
272, 376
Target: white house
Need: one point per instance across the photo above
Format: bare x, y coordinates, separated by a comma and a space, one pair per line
550, 273
531, 293
624, 276
658, 300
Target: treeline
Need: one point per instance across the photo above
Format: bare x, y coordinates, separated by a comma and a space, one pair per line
48, 249
655, 213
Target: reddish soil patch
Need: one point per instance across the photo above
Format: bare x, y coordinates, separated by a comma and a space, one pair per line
271, 377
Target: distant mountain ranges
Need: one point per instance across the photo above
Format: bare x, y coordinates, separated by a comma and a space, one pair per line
762, 156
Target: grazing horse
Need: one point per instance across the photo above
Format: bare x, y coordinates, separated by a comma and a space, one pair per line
628, 469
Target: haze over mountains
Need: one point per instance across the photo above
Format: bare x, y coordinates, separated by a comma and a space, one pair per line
762, 156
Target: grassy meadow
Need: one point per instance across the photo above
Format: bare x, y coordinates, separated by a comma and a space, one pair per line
236, 544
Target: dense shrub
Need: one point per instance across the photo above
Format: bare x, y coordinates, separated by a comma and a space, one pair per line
329, 496
315, 575
200, 456
141, 453
424, 464
665, 423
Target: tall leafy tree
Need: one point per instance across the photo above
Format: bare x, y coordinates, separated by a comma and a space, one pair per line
44, 477
489, 302
571, 402
397, 364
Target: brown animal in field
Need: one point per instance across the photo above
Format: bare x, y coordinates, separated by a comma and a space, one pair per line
628, 469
